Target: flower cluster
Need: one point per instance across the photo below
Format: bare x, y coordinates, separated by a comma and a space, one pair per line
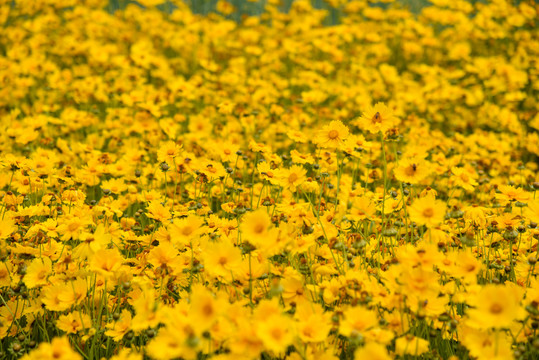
185, 186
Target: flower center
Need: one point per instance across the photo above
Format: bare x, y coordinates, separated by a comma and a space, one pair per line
410, 170
333, 134
377, 118
207, 310
428, 212
259, 228
292, 178
496, 309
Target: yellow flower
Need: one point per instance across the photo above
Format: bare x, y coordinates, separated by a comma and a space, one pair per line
256, 226
509, 193
106, 262
372, 351
485, 345
464, 178
532, 211
7, 227
377, 118
332, 135
37, 272
313, 325
74, 322
158, 212
362, 208
205, 309
293, 177
357, 320
272, 175
495, 306
127, 354
184, 230
412, 170
411, 345
221, 259
276, 333
427, 211
118, 329
57, 349
168, 152
146, 306
164, 258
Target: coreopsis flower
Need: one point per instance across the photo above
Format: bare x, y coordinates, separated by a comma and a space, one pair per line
293, 288
72, 292
246, 342
372, 351
37, 272
205, 308
221, 259
292, 178
71, 227
300, 158
158, 212
106, 262
256, 226
168, 152
475, 216
276, 333
146, 306
90, 243
115, 186
164, 257
466, 267
74, 322
177, 340
357, 320
532, 211
427, 211
509, 193
272, 175
412, 170
313, 325
495, 306
127, 354
184, 230
119, 328
377, 118
464, 178
213, 171
362, 208
333, 135
7, 227
419, 284
73, 196
7, 275
297, 135
485, 345
58, 349
51, 297
227, 151
411, 345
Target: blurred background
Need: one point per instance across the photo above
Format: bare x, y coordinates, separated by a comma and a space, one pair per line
256, 7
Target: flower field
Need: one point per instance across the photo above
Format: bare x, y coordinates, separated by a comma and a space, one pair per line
348, 181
